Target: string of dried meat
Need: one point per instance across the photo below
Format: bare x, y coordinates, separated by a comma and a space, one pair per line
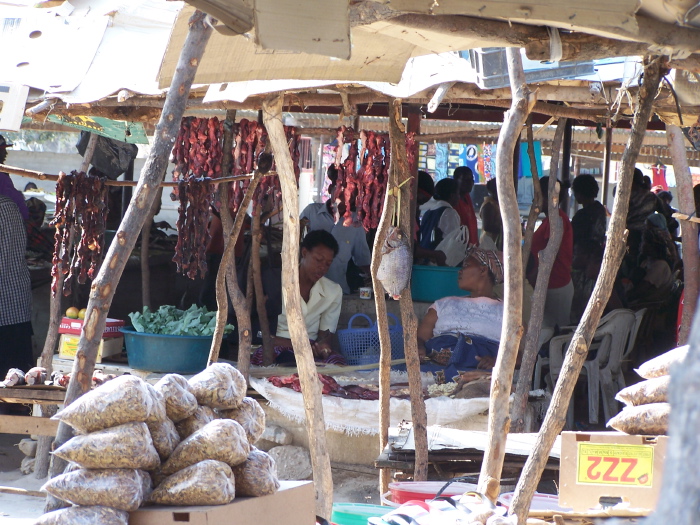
361, 191
81, 210
197, 155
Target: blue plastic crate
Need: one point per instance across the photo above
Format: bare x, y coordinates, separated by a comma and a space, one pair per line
430, 283
360, 346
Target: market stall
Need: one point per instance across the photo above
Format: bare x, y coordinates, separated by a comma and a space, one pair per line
397, 211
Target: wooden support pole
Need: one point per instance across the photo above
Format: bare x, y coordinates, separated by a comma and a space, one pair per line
554, 421
402, 174
512, 330
689, 229
105, 283
680, 488
566, 164
40, 175
536, 206
260, 299
606, 162
145, 251
383, 326
310, 388
539, 297
41, 466
227, 278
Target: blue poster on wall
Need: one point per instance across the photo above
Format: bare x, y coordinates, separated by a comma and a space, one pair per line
524, 166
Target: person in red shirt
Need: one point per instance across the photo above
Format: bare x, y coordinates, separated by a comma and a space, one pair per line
465, 207
560, 290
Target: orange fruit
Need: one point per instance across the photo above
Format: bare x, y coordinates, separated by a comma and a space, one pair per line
72, 312
81, 313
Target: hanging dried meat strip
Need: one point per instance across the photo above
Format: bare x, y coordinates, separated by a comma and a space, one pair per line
80, 220
195, 197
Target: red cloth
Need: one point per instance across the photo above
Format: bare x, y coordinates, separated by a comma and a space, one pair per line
467, 217
659, 177
561, 271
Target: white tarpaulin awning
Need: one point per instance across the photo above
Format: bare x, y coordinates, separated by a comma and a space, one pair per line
87, 54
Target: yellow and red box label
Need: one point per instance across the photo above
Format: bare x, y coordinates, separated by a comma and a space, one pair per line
602, 464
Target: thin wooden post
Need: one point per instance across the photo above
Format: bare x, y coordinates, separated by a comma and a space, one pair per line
402, 176
105, 284
554, 421
268, 349
227, 278
539, 297
566, 162
383, 324
680, 489
537, 204
145, 251
606, 162
310, 388
43, 448
689, 229
512, 330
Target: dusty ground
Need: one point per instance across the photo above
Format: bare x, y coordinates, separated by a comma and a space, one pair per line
350, 486
17, 510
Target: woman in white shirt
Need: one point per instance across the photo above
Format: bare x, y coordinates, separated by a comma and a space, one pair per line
478, 316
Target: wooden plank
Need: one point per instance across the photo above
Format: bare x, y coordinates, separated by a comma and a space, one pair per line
28, 425
26, 395
22, 492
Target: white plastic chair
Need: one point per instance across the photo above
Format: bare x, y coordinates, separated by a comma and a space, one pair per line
591, 369
611, 340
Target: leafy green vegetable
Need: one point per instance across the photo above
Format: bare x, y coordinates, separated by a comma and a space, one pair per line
168, 320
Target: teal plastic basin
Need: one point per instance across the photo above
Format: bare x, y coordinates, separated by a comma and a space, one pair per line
430, 283
356, 513
179, 354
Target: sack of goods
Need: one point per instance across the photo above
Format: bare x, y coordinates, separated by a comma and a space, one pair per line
178, 442
647, 409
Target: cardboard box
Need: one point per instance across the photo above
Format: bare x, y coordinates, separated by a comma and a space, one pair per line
293, 504
74, 326
68, 345
610, 465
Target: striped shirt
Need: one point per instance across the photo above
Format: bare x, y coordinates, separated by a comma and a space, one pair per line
15, 284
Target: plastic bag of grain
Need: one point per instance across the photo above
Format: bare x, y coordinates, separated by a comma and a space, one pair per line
222, 440
208, 482
650, 391
121, 489
257, 476
219, 385
661, 365
196, 421
645, 420
125, 399
165, 437
124, 446
158, 412
85, 516
180, 402
250, 415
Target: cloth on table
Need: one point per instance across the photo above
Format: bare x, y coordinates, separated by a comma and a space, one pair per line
361, 416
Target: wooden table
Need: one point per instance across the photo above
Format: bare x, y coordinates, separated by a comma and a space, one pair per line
35, 395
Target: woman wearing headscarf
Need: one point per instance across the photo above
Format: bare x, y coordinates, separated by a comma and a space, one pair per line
474, 320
